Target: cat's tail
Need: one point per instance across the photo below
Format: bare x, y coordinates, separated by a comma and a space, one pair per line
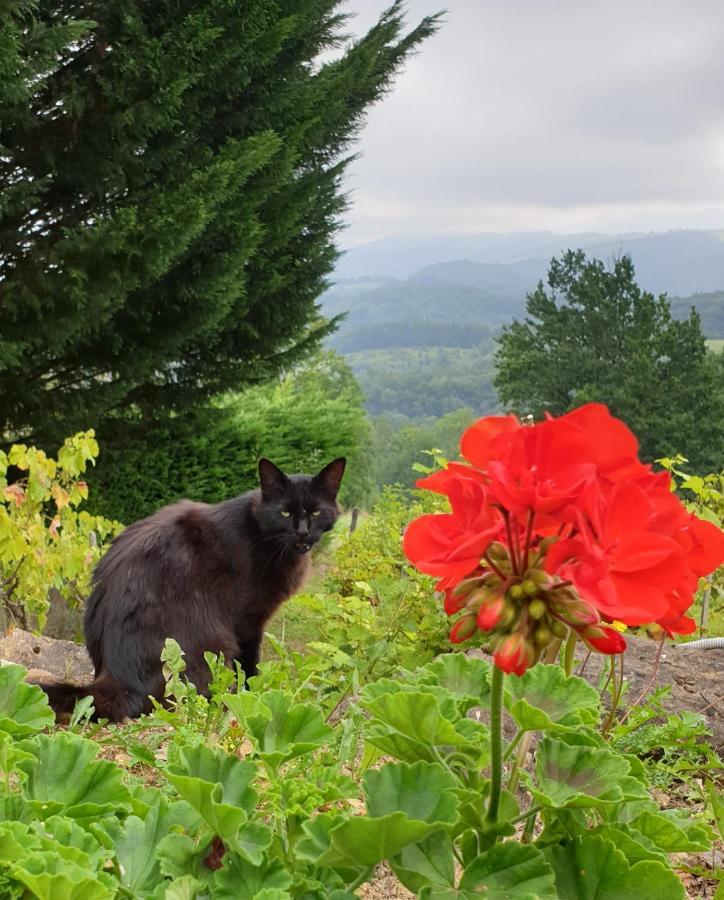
110, 700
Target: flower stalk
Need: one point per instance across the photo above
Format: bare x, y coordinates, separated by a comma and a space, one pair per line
496, 744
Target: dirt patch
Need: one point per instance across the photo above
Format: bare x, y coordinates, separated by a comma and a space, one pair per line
46, 657
696, 678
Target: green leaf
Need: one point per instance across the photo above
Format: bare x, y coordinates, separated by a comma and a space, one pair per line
591, 866
280, 728
466, 677
136, 840
24, 707
577, 776
50, 877
544, 698
363, 841
430, 861
64, 777
716, 799
240, 878
252, 841
217, 786
409, 726
422, 791
16, 840
449, 705
66, 837
179, 855
632, 843
674, 833
184, 888
509, 870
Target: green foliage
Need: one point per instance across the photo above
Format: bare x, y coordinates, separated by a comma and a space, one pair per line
398, 447
46, 542
704, 496
302, 421
261, 804
596, 336
428, 381
341, 757
171, 180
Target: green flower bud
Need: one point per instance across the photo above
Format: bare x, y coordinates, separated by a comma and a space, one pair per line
542, 635
537, 609
516, 592
559, 629
530, 587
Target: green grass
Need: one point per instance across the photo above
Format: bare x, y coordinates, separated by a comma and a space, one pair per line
716, 345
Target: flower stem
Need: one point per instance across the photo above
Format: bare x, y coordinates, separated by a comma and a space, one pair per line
569, 654
513, 744
519, 762
496, 743
514, 561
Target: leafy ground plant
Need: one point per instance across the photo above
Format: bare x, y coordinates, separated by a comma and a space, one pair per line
254, 794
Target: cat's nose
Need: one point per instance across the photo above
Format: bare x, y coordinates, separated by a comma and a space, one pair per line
302, 529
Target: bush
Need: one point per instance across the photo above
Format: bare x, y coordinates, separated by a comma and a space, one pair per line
300, 422
45, 542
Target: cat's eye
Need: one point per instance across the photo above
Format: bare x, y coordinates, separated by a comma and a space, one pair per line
285, 513
317, 512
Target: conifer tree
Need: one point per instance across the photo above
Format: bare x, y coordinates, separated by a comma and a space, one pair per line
170, 186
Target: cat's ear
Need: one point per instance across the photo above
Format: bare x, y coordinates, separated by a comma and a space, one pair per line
330, 477
272, 480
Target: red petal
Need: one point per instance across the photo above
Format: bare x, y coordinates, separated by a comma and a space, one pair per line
476, 444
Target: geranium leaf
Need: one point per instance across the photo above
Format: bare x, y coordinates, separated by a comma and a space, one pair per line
179, 855
16, 840
632, 843
591, 866
449, 704
184, 888
409, 726
421, 791
50, 877
252, 841
509, 870
24, 707
317, 841
63, 776
365, 841
66, 837
467, 678
673, 833
136, 840
239, 878
217, 786
569, 776
282, 729
544, 698
430, 861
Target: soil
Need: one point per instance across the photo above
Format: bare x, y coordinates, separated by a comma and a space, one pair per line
696, 678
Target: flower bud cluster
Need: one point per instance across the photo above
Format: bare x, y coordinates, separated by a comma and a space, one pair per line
523, 613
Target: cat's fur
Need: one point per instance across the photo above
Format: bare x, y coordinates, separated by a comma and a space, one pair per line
208, 576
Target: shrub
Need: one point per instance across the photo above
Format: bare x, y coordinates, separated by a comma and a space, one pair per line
45, 541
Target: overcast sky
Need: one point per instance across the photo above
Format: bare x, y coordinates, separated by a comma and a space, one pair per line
568, 115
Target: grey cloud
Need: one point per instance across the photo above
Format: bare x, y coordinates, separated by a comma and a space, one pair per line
523, 111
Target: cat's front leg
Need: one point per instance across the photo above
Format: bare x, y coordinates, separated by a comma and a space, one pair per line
248, 657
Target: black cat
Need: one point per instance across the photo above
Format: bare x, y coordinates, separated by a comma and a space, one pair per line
208, 576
